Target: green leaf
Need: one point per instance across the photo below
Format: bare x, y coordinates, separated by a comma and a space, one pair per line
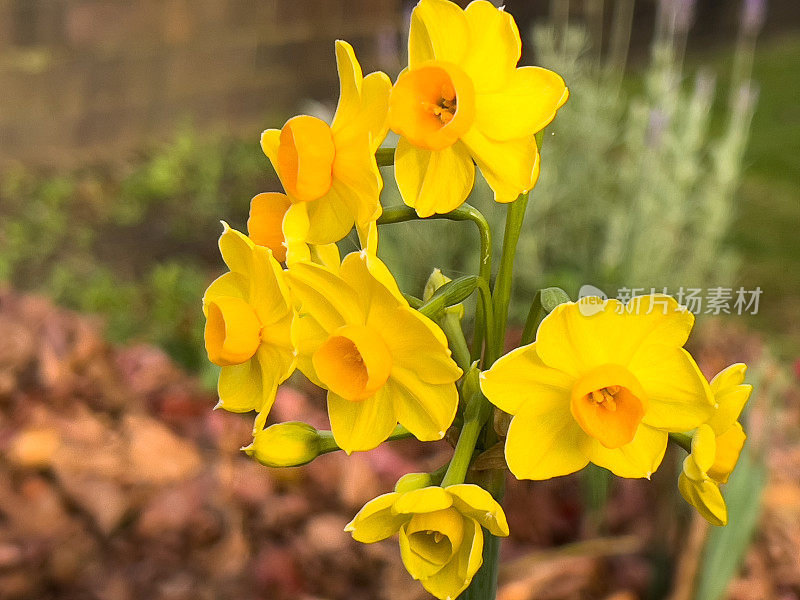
544, 301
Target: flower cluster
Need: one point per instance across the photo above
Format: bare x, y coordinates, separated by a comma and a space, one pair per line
609, 386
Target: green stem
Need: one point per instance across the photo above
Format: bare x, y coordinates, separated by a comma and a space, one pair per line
451, 325
502, 287
684, 440
384, 157
401, 214
457, 471
328, 444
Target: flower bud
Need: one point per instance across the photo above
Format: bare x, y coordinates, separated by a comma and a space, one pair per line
436, 280
288, 444
413, 481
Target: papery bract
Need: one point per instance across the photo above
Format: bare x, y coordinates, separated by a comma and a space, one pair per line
605, 388
441, 540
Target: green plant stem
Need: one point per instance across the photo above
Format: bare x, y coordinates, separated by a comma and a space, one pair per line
451, 325
684, 440
475, 415
328, 444
401, 214
502, 287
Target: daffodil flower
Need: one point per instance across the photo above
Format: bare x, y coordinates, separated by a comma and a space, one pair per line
716, 447
441, 540
462, 98
329, 172
265, 228
381, 361
603, 388
248, 326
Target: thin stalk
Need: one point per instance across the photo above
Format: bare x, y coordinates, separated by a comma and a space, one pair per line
502, 287
451, 325
683, 440
328, 444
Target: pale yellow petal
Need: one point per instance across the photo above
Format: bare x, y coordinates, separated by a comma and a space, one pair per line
510, 167
679, 398
456, 575
494, 47
544, 440
319, 292
730, 395
521, 377
525, 105
270, 140
475, 502
237, 250
229, 284
439, 31
423, 500
376, 521
706, 498
425, 409
363, 425
433, 181
241, 387
639, 458
331, 217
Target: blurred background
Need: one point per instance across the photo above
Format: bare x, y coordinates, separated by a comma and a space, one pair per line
129, 129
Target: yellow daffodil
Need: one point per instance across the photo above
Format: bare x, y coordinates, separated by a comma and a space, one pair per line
329, 172
381, 361
716, 446
248, 326
265, 228
462, 98
441, 541
603, 388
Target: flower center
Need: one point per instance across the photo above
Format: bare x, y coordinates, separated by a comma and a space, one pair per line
305, 158
233, 331
353, 362
608, 403
432, 105
436, 536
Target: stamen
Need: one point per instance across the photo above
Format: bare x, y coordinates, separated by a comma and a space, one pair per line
437, 537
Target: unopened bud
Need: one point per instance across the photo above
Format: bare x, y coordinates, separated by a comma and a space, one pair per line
288, 444
413, 481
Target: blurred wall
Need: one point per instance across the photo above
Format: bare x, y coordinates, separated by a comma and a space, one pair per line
93, 80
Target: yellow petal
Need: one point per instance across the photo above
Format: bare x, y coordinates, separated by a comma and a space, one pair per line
425, 409
375, 91
438, 31
520, 377
376, 521
575, 342
678, 394
320, 293
230, 284
525, 105
419, 567
270, 141
706, 498
232, 332
730, 395
433, 181
363, 425
377, 289
331, 217
475, 502
729, 447
307, 336
704, 448
640, 458
509, 167
494, 47
241, 387
423, 500
269, 292
419, 346
264, 225
350, 78
237, 250
544, 440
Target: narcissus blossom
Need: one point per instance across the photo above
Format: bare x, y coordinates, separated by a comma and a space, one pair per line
329, 172
248, 326
381, 361
603, 388
716, 446
462, 98
441, 541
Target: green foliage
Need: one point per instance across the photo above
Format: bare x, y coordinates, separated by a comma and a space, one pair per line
135, 244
